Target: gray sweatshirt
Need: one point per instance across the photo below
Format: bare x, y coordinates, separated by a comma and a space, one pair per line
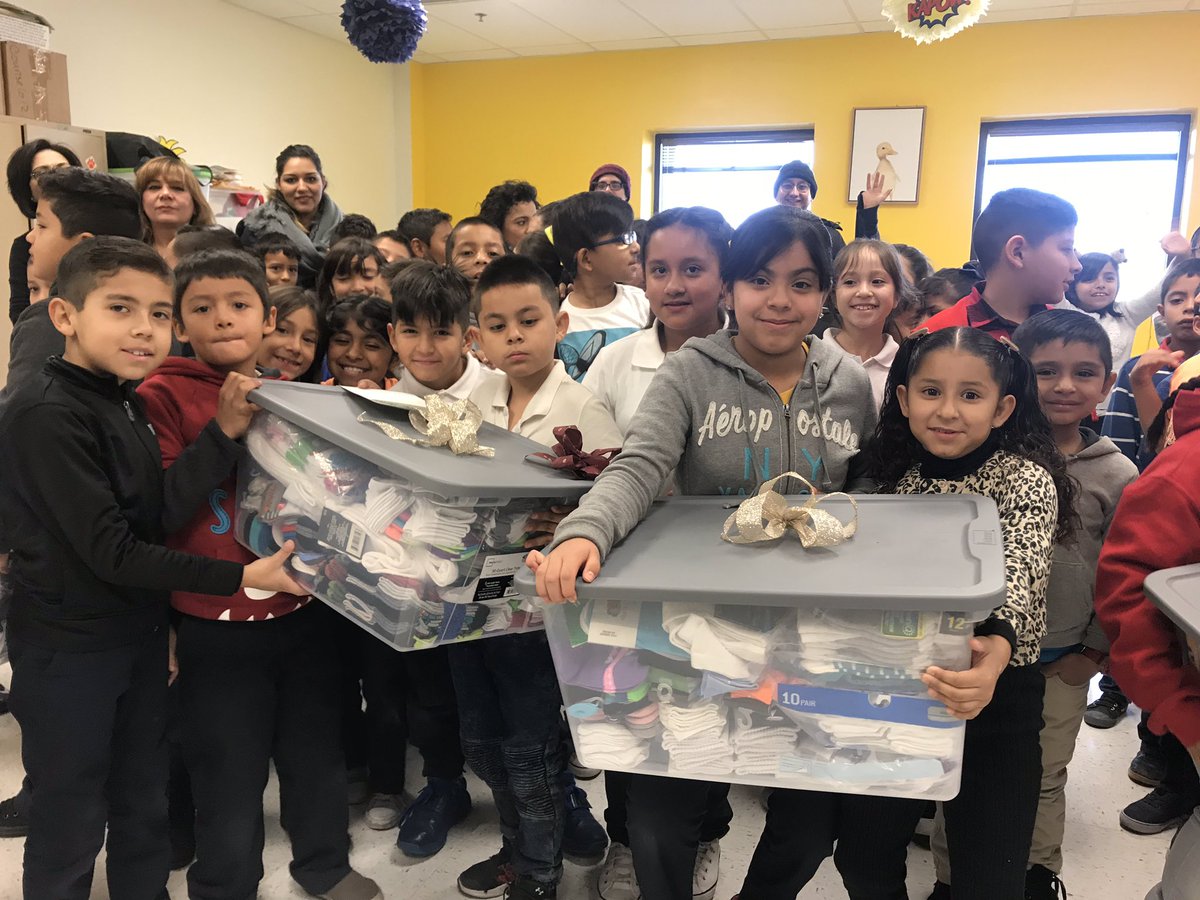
720, 426
1102, 471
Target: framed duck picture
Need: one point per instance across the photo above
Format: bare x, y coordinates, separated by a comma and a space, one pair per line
887, 143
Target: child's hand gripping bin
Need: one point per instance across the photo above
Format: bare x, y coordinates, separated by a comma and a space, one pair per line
774, 665
413, 543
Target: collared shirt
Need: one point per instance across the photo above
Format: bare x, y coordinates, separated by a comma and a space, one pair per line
460, 390
973, 311
877, 366
622, 372
559, 401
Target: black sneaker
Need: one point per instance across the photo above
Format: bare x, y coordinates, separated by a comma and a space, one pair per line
1158, 811
14, 817
1147, 769
584, 839
1042, 884
528, 889
489, 878
941, 891
1107, 710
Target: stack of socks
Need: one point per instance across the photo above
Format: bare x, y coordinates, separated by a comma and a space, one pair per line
758, 747
697, 739
716, 645
610, 745
890, 737
874, 643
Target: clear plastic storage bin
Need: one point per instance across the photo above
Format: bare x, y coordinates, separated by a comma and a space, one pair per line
1177, 593
773, 665
414, 544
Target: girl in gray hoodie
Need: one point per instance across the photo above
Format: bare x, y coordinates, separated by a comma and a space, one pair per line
725, 413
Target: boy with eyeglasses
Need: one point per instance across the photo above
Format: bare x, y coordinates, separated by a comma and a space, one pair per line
594, 238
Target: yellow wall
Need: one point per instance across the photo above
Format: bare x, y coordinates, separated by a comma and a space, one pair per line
234, 87
552, 120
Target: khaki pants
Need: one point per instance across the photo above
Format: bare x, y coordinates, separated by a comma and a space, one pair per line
1062, 716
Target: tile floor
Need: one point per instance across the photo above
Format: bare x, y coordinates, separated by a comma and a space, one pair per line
1102, 861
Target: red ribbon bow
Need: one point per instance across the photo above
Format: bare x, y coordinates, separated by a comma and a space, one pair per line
569, 454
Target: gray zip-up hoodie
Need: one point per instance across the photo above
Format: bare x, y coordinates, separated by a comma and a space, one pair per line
722, 429
1103, 472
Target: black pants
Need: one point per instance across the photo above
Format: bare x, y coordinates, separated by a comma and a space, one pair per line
989, 825
668, 818
93, 743
252, 692
410, 696
616, 815
870, 834
346, 639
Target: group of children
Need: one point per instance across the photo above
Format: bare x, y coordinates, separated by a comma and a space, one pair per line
119, 493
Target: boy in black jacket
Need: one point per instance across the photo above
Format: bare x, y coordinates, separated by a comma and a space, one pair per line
88, 629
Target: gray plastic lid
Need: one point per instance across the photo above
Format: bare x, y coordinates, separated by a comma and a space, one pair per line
923, 552
331, 413
1177, 593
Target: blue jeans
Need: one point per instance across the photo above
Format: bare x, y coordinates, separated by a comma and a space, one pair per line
508, 707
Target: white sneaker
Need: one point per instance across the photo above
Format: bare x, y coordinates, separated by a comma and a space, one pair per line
617, 880
707, 871
383, 811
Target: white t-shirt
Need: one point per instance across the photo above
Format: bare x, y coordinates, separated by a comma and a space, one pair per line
559, 401
877, 366
621, 374
460, 390
591, 330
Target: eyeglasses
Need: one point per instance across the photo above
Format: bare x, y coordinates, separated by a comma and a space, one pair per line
621, 240
613, 187
800, 187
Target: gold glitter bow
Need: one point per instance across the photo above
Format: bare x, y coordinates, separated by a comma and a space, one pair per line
815, 527
444, 423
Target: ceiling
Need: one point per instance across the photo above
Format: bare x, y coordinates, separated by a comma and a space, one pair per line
512, 28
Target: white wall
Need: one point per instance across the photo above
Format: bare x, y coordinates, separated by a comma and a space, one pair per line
234, 88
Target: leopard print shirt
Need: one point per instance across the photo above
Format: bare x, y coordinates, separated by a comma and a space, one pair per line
1028, 503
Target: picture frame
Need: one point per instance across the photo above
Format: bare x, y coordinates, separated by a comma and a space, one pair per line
889, 140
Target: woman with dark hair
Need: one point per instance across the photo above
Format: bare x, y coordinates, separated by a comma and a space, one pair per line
298, 209
512, 207
26, 165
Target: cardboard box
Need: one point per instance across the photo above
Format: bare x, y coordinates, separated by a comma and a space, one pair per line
35, 83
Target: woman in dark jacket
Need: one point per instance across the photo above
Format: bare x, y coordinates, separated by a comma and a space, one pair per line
28, 163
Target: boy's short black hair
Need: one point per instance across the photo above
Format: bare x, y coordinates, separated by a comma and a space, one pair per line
193, 238
392, 235
1067, 325
468, 222
220, 264
95, 259
961, 280
1031, 214
438, 294
536, 245
275, 243
583, 219
514, 270
1181, 269
421, 223
921, 267
92, 202
353, 225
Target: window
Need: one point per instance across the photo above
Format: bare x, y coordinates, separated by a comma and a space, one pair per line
732, 172
1123, 174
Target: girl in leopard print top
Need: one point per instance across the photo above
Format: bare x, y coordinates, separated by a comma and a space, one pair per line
961, 415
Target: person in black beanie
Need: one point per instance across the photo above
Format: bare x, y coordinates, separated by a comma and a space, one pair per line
796, 186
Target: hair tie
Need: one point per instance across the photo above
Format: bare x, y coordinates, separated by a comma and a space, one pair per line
1009, 345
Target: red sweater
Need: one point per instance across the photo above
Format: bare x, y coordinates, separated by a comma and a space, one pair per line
1156, 526
181, 401
973, 311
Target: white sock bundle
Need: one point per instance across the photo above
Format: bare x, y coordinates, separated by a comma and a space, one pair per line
757, 748
606, 744
499, 617
909, 641
890, 737
391, 558
716, 645
386, 499
696, 738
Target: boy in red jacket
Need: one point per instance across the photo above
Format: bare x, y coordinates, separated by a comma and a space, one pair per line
257, 679
1149, 658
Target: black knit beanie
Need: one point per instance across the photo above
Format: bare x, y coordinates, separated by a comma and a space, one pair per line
796, 169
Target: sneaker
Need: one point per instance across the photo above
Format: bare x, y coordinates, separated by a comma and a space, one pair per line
358, 787
1147, 769
1158, 811
14, 817
941, 891
584, 840
353, 887
617, 880
528, 889
1042, 884
442, 804
580, 771
383, 811
1106, 710
489, 878
707, 870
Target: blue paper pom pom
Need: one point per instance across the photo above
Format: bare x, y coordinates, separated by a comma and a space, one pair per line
384, 31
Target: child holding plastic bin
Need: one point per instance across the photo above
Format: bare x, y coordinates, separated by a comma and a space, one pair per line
961, 414
683, 249
508, 696
812, 410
